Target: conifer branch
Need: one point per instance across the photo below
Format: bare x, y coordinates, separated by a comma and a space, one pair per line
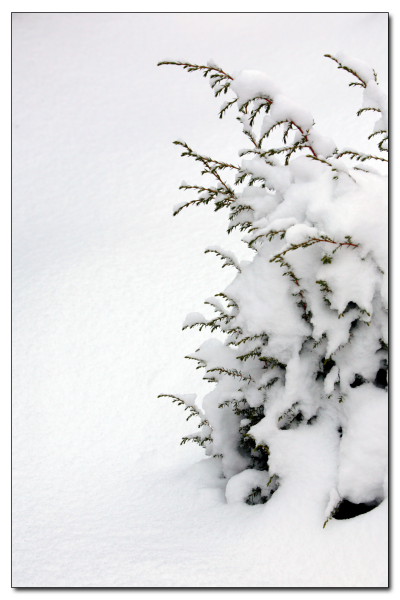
229, 260
364, 84
231, 373
368, 108
360, 80
207, 69
211, 167
201, 441
217, 306
261, 336
231, 302
220, 82
299, 292
314, 240
353, 154
225, 107
201, 363
269, 235
217, 323
194, 411
255, 353
333, 168
271, 362
210, 163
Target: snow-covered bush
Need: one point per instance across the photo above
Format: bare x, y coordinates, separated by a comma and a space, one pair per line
305, 321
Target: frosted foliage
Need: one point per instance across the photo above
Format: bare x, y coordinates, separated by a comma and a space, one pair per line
237, 489
261, 309
351, 279
363, 449
284, 109
249, 84
299, 399
365, 71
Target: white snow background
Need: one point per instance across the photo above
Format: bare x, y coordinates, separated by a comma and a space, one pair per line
104, 276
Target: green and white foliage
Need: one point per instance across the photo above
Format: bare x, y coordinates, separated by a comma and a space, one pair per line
303, 363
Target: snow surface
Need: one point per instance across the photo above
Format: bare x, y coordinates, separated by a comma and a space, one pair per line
103, 277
